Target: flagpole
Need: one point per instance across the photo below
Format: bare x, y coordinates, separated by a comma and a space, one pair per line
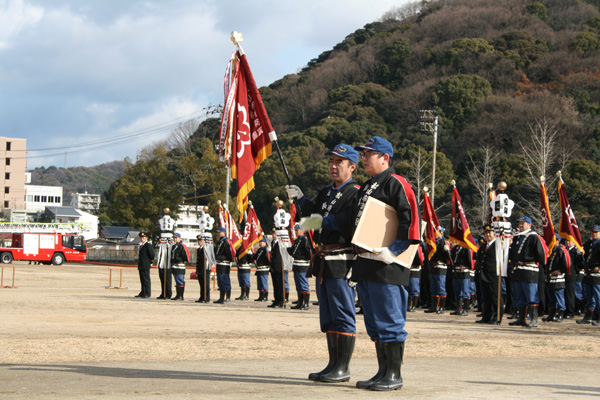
236, 38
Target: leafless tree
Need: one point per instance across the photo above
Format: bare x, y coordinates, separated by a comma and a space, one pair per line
480, 175
179, 138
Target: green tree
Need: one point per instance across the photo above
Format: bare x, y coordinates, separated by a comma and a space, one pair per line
146, 188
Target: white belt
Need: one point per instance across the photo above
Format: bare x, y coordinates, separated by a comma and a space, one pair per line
441, 266
301, 263
528, 268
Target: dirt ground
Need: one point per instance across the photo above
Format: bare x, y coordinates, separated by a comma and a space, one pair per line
64, 335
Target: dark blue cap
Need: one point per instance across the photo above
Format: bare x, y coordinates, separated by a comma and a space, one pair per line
177, 235
596, 228
297, 226
525, 218
345, 151
221, 229
377, 143
442, 229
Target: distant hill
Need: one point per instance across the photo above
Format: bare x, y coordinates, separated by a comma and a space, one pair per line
95, 179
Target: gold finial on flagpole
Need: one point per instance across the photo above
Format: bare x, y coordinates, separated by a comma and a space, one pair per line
236, 37
502, 185
559, 174
453, 182
425, 189
542, 179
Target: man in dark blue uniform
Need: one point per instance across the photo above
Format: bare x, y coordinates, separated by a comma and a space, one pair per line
262, 259
244, 269
179, 257
224, 254
437, 274
558, 265
527, 261
462, 265
332, 261
146, 255
381, 280
301, 252
591, 280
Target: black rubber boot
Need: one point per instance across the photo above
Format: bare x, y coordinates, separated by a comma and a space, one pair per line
243, 290
332, 349
287, 297
299, 298
392, 380
341, 371
522, 313
380, 349
266, 296
550, 317
587, 318
410, 304
534, 316
464, 310
596, 319
182, 288
459, 306
179, 295
435, 302
559, 316
442, 306
299, 303
260, 296
306, 301
227, 296
221, 298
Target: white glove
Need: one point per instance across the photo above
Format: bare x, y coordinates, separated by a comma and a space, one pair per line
293, 192
382, 254
313, 222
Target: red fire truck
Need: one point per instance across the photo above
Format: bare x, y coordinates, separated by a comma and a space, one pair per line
46, 248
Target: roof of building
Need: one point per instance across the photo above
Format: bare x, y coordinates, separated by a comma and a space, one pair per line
63, 211
114, 232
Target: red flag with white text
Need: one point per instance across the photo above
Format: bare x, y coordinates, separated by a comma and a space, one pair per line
246, 130
228, 223
460, 233
433, 225
253, 232
547, 226
568, 229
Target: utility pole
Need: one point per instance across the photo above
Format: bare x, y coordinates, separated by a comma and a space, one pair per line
429, 123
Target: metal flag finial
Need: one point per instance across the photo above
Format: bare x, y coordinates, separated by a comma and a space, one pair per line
236, 37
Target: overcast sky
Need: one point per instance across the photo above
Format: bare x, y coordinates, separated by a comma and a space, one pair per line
92, 81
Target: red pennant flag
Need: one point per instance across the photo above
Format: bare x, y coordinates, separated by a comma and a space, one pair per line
433, 225
568, 230
291, 230
253, 232
246, 131
460, 233
548, 227
228, 223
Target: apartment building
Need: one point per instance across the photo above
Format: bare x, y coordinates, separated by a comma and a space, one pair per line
13, 163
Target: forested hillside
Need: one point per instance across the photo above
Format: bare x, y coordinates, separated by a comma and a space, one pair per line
515, 85
95, 179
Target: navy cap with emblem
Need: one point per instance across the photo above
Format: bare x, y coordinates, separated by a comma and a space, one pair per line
596, 228
222, 229
377, 143
525, 218
345, 151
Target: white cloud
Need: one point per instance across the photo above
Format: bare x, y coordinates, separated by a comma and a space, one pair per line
72, 71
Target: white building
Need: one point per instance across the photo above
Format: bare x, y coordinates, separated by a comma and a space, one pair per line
88, 202
187, 223
37, 197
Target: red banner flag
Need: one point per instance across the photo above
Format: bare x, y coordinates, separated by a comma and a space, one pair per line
246, 130
228, 223
568, 230
460, 233
433, 225
548, 227
291, 230
253, 232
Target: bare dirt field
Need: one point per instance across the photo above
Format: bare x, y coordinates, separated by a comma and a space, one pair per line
64, 335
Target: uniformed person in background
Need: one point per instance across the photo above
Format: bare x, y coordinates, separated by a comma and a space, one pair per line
558, 265
203, 269
224, 254
574, 302
527, 258
301, 252
487, 267
591, 280
145, 257
333, 260
462, 265
276, 271
244, 268
438, 263
262, 259
381, 280
179, 257
414, 287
